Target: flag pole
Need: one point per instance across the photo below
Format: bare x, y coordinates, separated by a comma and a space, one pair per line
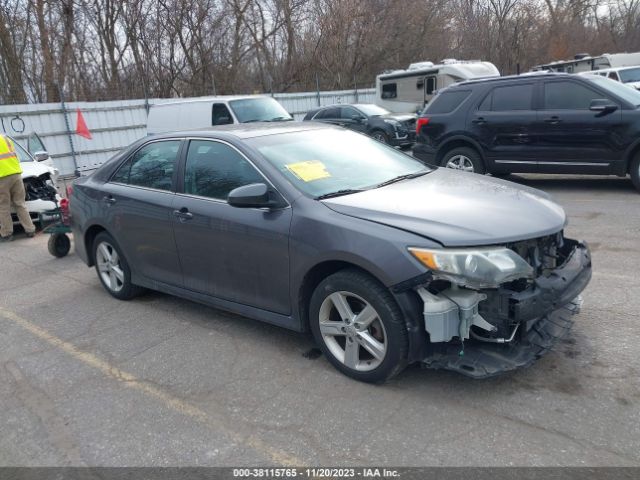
76, 172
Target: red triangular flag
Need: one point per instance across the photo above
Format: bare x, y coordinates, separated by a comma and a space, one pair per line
81, 126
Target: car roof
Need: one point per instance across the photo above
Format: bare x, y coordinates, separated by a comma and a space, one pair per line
218, 98
247, 130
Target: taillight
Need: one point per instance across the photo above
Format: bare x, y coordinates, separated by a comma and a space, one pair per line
421, 122
64, 210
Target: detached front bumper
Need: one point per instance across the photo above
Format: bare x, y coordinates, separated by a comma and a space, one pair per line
538, 316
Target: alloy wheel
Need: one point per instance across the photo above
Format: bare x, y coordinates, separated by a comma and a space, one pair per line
109, 267
352, 331
460, 162
380, 137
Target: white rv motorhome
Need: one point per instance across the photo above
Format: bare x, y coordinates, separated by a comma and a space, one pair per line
583, 62
408, 91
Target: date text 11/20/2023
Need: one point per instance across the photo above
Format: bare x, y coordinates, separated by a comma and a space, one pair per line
319, 472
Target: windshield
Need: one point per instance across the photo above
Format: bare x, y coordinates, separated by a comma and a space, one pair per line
321, 162
629, 75
260, 109
623, 91
23, 155
372, 110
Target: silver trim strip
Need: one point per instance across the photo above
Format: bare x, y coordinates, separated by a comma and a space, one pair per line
581, 164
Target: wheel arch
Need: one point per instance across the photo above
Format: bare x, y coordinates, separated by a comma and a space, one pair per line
89, 237
458, 141
631, 154
317, 274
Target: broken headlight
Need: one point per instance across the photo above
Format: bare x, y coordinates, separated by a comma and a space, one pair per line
479, 268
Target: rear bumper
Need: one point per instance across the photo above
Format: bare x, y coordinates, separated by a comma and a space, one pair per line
424, 153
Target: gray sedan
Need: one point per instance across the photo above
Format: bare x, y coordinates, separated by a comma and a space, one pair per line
316, 228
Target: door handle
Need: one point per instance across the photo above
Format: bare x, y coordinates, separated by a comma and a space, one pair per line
552, 120
479, 121
183, 214
109, 200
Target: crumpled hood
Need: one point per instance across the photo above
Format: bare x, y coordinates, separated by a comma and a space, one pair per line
457, 208
34, 169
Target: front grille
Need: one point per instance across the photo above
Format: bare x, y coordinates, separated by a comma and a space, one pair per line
543, 254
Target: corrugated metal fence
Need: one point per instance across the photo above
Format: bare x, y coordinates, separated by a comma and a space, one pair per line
116, 124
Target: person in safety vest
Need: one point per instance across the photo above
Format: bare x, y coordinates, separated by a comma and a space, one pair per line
12, 191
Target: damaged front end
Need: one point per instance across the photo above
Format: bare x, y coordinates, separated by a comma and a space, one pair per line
40, 188
40, 194
479, 329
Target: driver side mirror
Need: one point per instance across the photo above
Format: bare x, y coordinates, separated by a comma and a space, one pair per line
603, 106
255, 195
41, 156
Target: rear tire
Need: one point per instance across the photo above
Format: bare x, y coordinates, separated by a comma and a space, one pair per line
358, 326
465, 159
634, 171
112, 268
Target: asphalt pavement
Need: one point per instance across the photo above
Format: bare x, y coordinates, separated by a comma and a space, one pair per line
158, 381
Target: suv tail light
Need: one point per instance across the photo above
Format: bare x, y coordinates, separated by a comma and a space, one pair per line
421, 122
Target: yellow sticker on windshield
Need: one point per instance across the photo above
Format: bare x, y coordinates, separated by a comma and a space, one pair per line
309, 171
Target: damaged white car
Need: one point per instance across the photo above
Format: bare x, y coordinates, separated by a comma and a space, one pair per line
39, 177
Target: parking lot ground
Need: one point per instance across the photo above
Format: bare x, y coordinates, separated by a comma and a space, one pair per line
88, 380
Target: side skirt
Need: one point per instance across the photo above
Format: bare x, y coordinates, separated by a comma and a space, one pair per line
280, 320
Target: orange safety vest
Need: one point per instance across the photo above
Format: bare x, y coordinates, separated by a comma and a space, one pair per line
9, 162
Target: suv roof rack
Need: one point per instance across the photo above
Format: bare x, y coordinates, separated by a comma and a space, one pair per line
509, 77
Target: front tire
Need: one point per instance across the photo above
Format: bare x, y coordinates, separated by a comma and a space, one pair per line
112, 268
380, 136
634, 171
465, 159
359, 327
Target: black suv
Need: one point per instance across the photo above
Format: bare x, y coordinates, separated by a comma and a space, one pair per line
538, 123
395, 129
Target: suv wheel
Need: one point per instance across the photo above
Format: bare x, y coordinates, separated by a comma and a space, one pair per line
634, 171
463, 158
358, 326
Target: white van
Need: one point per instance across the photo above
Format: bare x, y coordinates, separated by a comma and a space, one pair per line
630, 76
206, 112
408, 91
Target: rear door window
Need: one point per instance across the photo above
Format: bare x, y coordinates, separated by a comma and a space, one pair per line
512, 97
328, 113
152, 166
447, 102
566, 95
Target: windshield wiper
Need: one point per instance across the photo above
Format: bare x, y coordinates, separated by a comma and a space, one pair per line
339, 193
403, 177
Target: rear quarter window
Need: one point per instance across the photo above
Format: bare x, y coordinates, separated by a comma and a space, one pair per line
447, 102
